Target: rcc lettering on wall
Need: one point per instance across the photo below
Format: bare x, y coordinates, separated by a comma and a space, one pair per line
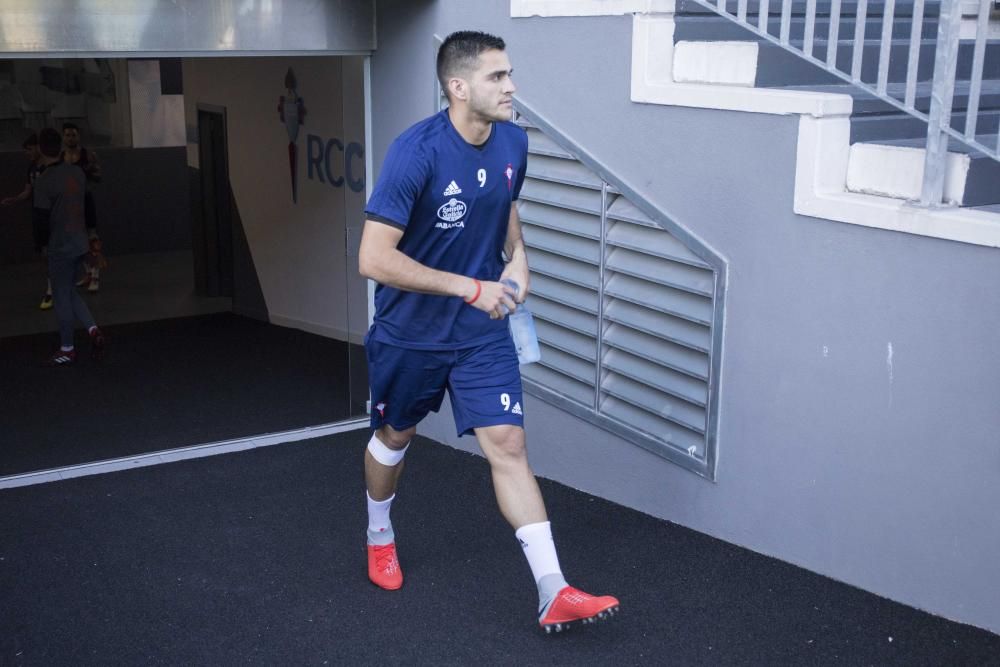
334, 163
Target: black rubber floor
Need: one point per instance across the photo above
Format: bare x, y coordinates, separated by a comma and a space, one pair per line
166, 384
257, 558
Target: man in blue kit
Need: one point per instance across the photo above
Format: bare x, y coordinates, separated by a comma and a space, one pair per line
439, 223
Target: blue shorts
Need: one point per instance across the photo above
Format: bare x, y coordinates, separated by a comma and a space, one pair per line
484, 384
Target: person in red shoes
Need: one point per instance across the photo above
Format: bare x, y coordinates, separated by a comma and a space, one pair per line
439, 223
59, 193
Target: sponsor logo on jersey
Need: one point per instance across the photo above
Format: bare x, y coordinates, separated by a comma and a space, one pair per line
452, 211
452, 190
451, 225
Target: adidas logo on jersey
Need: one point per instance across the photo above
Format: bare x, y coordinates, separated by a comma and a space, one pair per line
516, 409
452, 189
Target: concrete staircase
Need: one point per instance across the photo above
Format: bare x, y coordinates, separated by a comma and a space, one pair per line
859, 159
886, 156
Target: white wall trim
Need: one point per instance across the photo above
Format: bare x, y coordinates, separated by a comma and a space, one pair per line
898, 171
720, 63
524, 8
820, 180
653, 80
179, 454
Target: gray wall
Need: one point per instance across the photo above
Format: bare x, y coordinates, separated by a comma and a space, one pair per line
142, 203
877, 468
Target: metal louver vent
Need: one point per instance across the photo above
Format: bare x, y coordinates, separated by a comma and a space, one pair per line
627, 312
628, 307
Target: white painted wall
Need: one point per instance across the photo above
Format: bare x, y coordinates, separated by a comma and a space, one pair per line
298, 248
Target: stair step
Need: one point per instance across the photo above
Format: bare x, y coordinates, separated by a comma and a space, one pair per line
726, 63
847, 8
878, 128
876, 120
712, 27
954, 145
866, 103
895, 169
779, 67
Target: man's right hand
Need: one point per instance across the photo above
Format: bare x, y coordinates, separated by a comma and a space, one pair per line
7, 201
492, 296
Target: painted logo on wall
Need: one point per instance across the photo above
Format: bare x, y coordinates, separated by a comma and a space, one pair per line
292, 111
331, 161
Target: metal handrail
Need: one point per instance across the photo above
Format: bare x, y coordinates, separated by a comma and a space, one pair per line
945, 61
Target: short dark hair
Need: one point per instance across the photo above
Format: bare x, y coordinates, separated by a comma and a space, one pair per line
460, 51
32, 140
49, 142
70, 126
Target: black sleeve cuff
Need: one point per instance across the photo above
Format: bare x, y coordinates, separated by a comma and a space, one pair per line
384, 220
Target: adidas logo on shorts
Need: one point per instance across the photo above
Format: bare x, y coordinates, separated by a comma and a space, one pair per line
516, 409
452, 189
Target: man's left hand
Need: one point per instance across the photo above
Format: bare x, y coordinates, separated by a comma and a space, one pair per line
518, 272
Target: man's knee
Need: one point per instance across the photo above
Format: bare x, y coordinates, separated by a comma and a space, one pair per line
505, 441
388, 446
394, 439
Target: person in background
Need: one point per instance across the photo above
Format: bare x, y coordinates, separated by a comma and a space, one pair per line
39, 227
86, 159
60, 191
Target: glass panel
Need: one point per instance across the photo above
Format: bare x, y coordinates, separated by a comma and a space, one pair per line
235, 309
355, 198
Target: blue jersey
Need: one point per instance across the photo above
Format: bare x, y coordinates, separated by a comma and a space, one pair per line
452, 200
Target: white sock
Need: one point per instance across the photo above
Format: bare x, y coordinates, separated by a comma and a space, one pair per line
379, 526
63, 348
540, 550
48, 287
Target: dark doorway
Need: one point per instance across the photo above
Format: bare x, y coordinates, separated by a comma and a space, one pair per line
213, 229
194, 356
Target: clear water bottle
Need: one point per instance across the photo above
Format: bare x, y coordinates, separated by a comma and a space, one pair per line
522, 329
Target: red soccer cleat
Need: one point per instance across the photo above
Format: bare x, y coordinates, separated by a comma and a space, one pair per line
571, 606
383, 566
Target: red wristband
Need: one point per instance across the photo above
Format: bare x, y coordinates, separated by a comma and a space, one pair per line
479, 290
